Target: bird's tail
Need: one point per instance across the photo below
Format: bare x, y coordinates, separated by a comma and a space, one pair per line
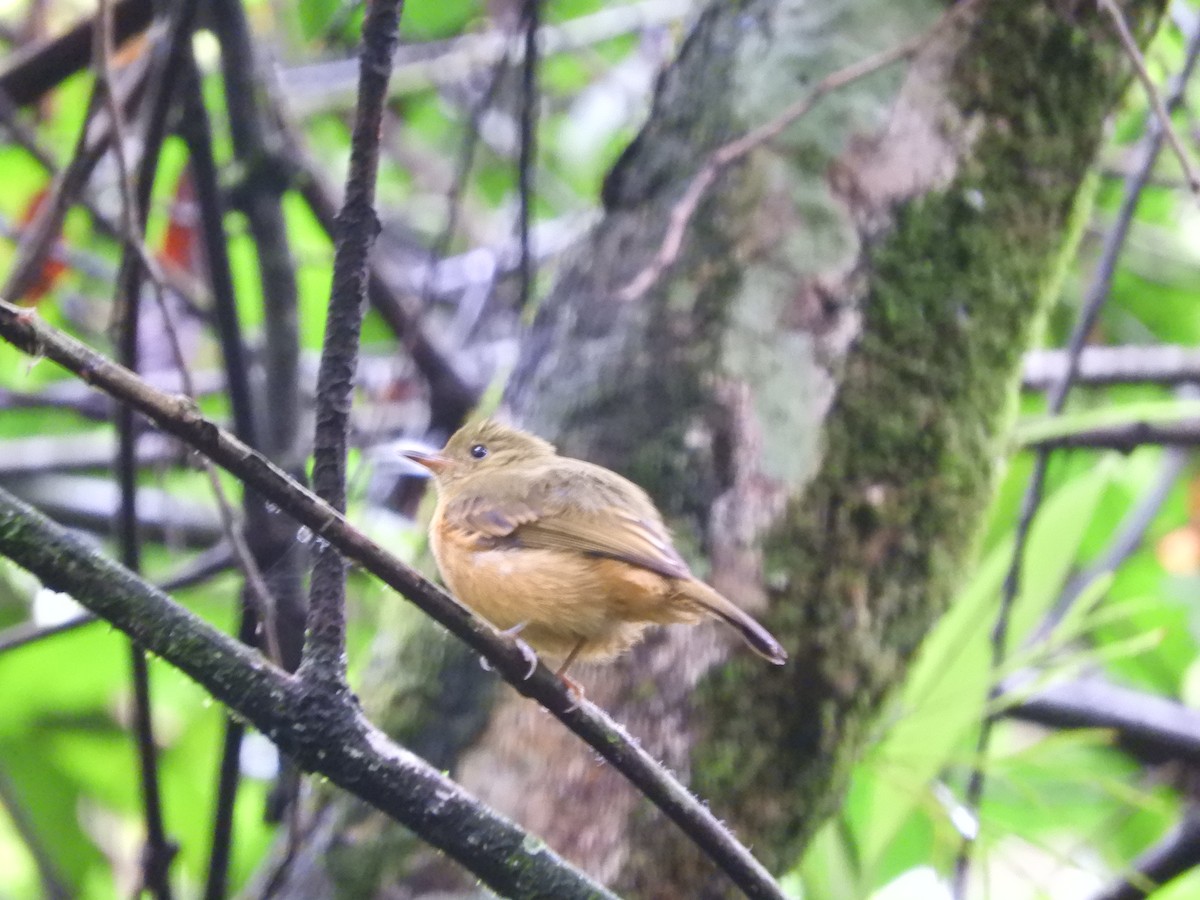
760, 640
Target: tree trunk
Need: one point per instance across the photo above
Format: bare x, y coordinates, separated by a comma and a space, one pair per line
817, 394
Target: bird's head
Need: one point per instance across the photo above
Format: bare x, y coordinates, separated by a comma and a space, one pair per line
486, 446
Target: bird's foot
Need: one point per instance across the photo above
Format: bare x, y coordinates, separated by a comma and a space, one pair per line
574, 690
527, 653
530, 656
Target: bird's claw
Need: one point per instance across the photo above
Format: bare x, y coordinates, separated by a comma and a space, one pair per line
574, 690
530, 656
528, 653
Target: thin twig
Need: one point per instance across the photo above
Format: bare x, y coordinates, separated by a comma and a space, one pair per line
26, 633
255, 144
39, 237
1127, 538
1161, 113
258, 604
736, 150
1093, 302
1162, 364
440, 248
527, 155
254, 125
1149, 727
30, 73
25, 137
159, 849
1125, 437
358, 225
132, 235
27, 331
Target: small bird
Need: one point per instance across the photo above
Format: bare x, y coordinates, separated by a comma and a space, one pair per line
570, 555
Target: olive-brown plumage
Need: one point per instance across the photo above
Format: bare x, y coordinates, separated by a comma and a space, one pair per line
570, 553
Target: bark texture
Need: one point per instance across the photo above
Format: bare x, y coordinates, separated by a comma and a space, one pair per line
817, 395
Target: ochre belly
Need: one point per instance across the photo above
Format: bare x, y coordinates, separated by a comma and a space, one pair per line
561, 597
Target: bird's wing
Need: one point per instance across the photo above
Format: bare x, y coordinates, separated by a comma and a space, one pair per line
488, 516
551, 509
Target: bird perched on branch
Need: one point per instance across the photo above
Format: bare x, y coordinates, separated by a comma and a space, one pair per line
569, 554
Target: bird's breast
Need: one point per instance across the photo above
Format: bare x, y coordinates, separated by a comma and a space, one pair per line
561, 596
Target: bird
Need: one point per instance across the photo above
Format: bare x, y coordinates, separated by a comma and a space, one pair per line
570, 555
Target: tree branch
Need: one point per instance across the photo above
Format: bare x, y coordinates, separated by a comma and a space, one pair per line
531, 15
1102, 366
1178, 852
1150, 727
450, 396
33, 71
357, 228
135, 202
1125, 438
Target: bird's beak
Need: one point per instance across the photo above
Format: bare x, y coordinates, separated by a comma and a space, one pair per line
434, 462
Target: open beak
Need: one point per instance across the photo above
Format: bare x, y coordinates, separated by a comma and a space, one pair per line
434, 462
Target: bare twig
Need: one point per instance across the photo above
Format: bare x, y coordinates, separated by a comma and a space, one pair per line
18, 636
25, 137
450, 396
132, 234
163, 68
159, 849
1152, 728
30, 73
258, 603
527, 156
38, 239
93, 503
1126, 539
325, 644
44, 454
1161, 114
440, 247
25, 330
736, 150
256, 142
1125, 437
1092, 303
1102, 366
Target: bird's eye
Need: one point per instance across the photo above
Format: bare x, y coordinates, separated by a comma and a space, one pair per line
479, 451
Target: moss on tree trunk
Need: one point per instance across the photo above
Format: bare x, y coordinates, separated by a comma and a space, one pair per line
817, 394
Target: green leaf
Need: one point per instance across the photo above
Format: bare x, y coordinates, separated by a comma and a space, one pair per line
1149, 412
946, 694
